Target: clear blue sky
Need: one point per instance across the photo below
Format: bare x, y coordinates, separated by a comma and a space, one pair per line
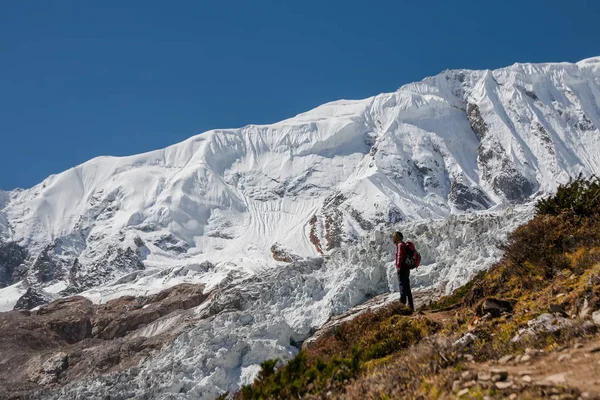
80, 79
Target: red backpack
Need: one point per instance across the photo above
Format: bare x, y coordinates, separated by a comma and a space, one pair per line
413, 257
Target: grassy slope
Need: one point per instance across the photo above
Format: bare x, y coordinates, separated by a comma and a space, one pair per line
551, 264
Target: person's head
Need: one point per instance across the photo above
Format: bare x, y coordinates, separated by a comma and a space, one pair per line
397, 237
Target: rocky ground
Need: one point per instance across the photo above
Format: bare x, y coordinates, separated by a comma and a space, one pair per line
72, 338
569, 370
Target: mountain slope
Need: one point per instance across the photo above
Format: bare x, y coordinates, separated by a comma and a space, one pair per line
526, 328
288, 223
459, 141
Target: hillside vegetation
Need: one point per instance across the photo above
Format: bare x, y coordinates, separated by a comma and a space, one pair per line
540, 299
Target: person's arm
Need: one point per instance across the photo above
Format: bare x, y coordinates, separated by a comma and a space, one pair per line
397, 256
401, 255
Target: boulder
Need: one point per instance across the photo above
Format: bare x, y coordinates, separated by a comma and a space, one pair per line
557, 309
584, 312
56, 364
465, 340
494, 307
544, 323
596, 317
48, 371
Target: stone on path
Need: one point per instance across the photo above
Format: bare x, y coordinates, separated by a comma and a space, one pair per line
505, 359
556, 379
596, 317
504, 385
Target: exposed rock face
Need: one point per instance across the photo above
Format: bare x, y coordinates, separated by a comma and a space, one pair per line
168, 242
71, 337
53, 367
11, 256
31, 299
282, 254
333, 219
117, 262
476, 120
68, 318
465, 198
118, 317
362, 222
502, 174
45, 268
314, 238
56, 364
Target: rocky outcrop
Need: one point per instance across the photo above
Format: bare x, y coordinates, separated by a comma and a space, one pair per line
333, 220
494, 307
476, 120
71, 337
314, 238
116, 262
45, 268
282, 254
118, 317
52, 368
501, 173
11, 256
362, 222
465, 198
30, 299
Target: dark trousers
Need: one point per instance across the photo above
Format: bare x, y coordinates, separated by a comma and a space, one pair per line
404, 283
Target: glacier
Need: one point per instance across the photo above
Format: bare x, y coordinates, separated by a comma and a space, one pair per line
289, 223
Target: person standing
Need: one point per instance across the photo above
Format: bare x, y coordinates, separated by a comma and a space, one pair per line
403, 270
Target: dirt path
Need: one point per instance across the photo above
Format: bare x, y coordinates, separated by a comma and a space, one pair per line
576, 366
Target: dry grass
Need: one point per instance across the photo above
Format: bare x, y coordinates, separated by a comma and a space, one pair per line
342, 355
551, 264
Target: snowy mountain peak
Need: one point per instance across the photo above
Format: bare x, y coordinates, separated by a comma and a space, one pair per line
457, 142
589, 62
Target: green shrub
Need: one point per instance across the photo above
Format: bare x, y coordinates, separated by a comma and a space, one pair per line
267, 368
579, 197
341, 355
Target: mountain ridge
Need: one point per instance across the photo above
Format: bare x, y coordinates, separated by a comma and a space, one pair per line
459, 141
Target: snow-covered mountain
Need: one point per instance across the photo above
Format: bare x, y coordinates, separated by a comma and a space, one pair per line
459, 141
453, 161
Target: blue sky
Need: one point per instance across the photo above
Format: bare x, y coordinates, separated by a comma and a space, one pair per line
79, 79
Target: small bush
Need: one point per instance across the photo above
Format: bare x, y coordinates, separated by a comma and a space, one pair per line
536, 253
580, 197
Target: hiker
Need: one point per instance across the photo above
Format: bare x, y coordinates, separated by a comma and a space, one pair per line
403, 270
